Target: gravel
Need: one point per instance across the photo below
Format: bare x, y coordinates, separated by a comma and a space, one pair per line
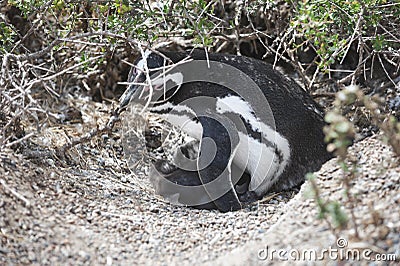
377, 215
98, 212
93, 210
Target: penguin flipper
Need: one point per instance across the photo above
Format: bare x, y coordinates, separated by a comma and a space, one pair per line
217, 147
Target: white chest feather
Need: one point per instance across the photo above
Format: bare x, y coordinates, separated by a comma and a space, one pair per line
180, 116
260, 157
261, 161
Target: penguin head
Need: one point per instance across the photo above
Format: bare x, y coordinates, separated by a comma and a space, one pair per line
148, 72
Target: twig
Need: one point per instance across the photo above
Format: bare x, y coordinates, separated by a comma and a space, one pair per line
107, 128
33, 83
387, 74
361, 65
265, 199
321, 205
19, 140
356, 29
15, 193
349, 196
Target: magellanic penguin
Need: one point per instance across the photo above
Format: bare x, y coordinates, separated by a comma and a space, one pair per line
257, 130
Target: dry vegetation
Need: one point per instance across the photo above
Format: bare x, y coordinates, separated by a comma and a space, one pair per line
64, 64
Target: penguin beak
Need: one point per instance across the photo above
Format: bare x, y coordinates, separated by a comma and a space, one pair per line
136, 78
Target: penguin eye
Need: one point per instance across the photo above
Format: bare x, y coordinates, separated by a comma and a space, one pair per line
137, 75
132, 74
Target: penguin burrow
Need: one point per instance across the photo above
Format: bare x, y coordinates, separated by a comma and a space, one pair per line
255, 130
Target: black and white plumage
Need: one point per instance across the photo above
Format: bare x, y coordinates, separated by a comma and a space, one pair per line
270, 152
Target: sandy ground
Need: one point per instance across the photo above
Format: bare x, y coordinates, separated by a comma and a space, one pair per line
94, 211
298, 233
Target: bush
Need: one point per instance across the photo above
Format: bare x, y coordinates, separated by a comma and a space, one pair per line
331, 27
86, 42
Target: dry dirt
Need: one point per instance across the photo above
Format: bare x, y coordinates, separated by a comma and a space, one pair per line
91, 210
